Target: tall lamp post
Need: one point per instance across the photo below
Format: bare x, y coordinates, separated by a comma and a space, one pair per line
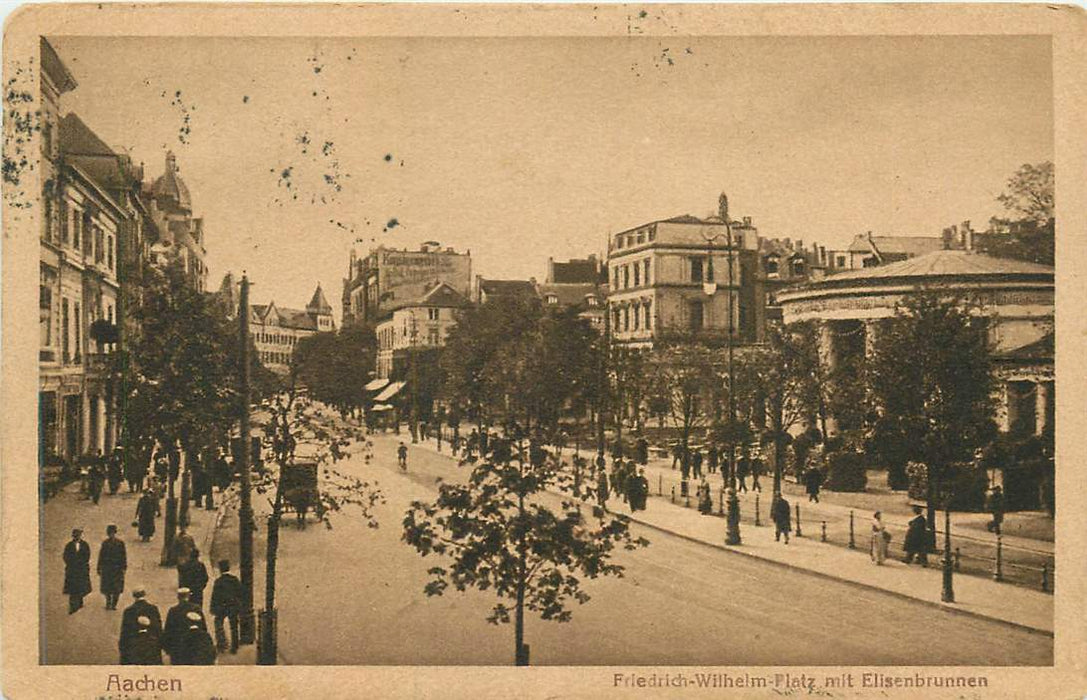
245, 511
709, 286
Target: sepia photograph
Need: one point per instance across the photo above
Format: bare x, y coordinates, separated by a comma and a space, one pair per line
668, 353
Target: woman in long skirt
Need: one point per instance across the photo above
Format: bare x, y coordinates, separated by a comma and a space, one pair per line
879, 539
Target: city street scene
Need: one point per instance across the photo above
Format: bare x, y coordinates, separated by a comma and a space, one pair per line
705, 351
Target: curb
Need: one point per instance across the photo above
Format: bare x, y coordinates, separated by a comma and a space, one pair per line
830, 577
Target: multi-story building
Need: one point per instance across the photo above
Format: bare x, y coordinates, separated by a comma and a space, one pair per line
422, 324
276, 330
181, 235
670, 279
867, 250
577, 284
79, 289
388, 278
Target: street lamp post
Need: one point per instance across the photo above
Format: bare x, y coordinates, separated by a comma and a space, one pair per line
245, 511
732, 535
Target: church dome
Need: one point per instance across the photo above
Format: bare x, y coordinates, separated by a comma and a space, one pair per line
170, 187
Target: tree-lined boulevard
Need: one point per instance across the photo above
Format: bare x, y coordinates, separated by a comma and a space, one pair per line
679, 602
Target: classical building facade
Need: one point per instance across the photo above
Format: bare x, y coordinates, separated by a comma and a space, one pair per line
181, 235
387, 278
671, 278
78, 289
1016, 296
276, 330
421, 324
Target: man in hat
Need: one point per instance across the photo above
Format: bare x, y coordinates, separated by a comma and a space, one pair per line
917, 539
112, 562
192, 574
146, 509
402, 455
77, 570
178, 620
184, 545
149, 631
226, 604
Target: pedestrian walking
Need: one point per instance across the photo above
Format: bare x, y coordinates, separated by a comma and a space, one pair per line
705, 499
131, 471
743, 469
696, 463
756, 472
141, 632
880, 539
184, 545
637, 487
95, 479
112, 563
402, 456
77, 570
162, 467
175, 633
677, 454
114, 470
916, 543
601, 485
226, 604
781, 514
192, 574
813, 480
713, 457
642, 448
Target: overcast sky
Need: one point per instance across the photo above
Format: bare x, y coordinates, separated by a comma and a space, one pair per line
520, 149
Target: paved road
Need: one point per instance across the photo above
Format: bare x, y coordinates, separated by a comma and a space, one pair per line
354, 595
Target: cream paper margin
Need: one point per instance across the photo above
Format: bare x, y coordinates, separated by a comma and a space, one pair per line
23, 678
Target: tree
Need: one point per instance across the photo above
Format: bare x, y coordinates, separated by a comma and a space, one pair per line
335, 366
685, 377
783, 378
1029, 192
501, 536
932, 388
1028, 232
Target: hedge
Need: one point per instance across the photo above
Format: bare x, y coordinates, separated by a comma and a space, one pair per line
846, 471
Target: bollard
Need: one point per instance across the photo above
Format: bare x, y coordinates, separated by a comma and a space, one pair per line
852, 539
673, 494
1045, 577
660, 484
721, 502
757, 523
958, 560
823, 537
687, 499
798, 531
998, 574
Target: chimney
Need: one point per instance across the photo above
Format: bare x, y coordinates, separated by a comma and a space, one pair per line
747, 222
799, 244
968, 239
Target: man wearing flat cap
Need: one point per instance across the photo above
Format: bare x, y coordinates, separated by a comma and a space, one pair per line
150, 633
77, 570
178, 621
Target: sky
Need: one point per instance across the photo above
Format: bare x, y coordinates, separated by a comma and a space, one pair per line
519, 149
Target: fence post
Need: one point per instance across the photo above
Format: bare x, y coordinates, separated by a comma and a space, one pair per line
798, 531
823, 537
757, 523
998, 574
1045, 577
687, 499
721, 501
673, 494
660, 484
852, 539
958, 560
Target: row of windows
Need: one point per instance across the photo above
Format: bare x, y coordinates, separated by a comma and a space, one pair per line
71, 323
626, 240
635, 316
79, 231
276, 338
633, 274
275, 358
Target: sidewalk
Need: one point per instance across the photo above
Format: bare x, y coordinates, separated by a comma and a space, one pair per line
974, 595
90, 635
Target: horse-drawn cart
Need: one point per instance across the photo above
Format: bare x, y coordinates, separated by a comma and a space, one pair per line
300, 490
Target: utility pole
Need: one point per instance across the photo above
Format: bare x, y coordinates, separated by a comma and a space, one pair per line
414, 381
245, 512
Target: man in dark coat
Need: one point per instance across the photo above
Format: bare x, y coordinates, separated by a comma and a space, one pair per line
643, 451
696, 463
176, 629
226, 604
916, 544
146, 508
115, 472
713, 457
705, 499
112, 562
149, 634
813, 479
77, 570
184, 545
192, 574
781, 514
96, 476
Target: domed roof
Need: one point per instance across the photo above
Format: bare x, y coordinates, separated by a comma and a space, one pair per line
171, 187
942, 263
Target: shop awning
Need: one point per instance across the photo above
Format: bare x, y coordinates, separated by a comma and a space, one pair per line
390, 391
376, 384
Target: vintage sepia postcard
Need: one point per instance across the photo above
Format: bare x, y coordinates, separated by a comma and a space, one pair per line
544, 351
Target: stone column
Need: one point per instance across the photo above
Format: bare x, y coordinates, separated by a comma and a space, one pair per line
1042, 399
85, 436
871, 335
828, 354
1004, 408
100, 438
